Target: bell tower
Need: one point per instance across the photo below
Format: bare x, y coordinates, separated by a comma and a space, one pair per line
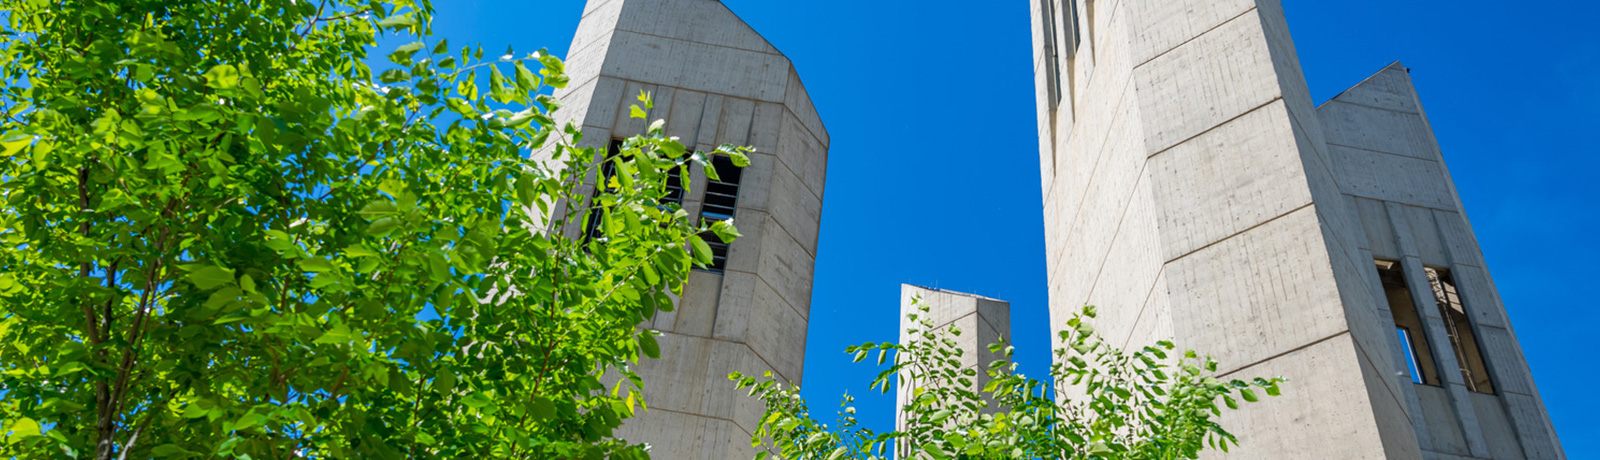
716, 81
1192, 190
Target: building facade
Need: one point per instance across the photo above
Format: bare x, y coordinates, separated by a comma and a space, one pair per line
715, 81
1192, 190
982, 321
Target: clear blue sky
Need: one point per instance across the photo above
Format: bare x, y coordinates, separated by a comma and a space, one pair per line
933, 179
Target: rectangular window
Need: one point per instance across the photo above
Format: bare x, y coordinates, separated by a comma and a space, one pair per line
1402, 305
1463, 341
592, 230
1411, 355
722, 202
1052, 61
608, 170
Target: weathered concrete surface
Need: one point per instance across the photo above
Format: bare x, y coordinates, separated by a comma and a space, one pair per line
982, 321
1193, 191
716, 81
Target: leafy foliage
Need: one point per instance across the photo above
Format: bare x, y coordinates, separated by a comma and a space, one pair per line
224, 234
1148, 404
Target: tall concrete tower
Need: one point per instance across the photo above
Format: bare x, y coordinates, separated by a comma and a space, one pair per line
1192, 190
715, 81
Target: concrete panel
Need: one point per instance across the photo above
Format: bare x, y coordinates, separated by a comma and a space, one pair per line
722, 400
1205, 82
1459, 241
1389, 177
1481, 302
700, 21
674, 383
1441, 417
1302, 422
805, 156
1533, 427
786, 266
679, 435
697, 66
777, 333
765, 128
799, 103
1129, 269
1497, 429
1376, 130
1389, 89
1380, 233
698, 311
1238, 176
683, 122
1504, 358
735, 125
1161, 25
744, 255
795, 209
756, 184
1258, 294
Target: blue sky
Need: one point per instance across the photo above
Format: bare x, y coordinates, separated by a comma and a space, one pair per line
933, 177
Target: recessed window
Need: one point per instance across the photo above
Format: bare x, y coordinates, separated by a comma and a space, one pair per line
722, 202
1408, 322
592, 230
1061, 31
1463, 341
608, 170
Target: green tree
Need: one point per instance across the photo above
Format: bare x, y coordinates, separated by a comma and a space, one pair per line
224, 234
1149, 404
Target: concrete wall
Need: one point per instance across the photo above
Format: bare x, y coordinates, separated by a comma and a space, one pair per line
1389, 165
1191, 190
716, 82
982, 321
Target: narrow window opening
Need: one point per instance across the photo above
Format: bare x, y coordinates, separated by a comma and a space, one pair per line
1411, 355
592, 230
1412, 330
1463, 341
1051, 52
722, 202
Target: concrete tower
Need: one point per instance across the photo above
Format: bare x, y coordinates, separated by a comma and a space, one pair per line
1192, 190
715, 81
981, 320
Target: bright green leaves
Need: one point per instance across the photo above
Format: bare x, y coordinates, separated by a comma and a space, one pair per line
222, 77
305, 240
725, 230
399, 21
21, 428
648, 345
210, 277
701, 250
402, 54
1123, 405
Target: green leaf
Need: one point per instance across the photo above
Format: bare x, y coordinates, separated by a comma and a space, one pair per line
222, 76
210, 277
702, 251
397, 21
542, 408
402, 55
316, 265
378, 209
725, 230
382, 226
1248, 395
648, 345
339, 335
23, 428
635, 112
